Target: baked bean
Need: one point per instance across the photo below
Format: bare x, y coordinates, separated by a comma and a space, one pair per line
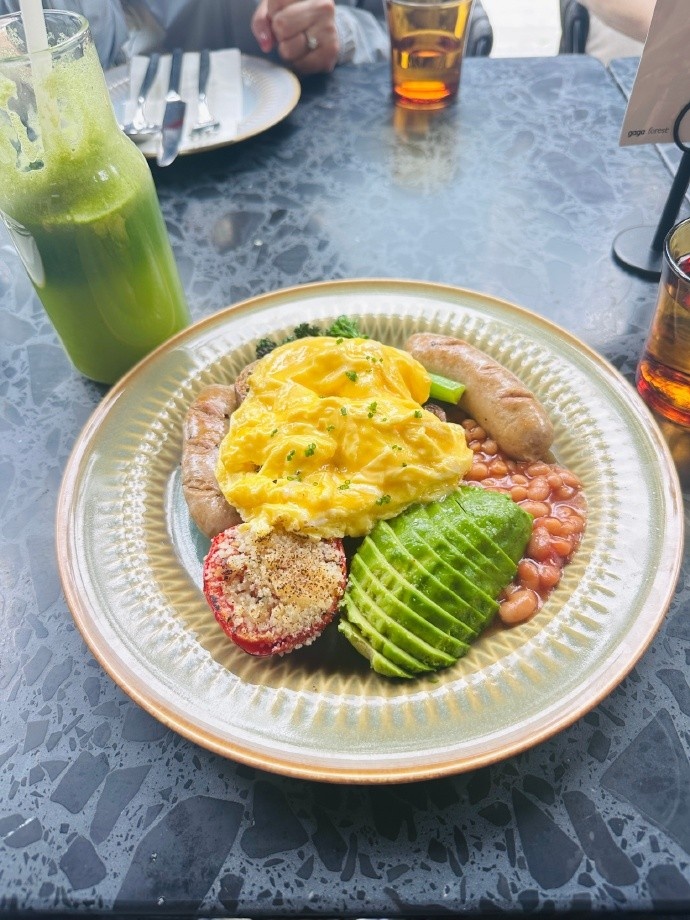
570, 479
577, 522
498, 468
565, 492
561, 546
566, 512
539, 489
536, 509
539, 546
518, 493
528, 574
554, 525
519, 607
478, 472
549, 576
553, 496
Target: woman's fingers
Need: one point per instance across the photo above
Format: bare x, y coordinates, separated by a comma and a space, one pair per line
305, 33
261, 27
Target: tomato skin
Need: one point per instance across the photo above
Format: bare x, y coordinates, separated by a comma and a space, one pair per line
234, 616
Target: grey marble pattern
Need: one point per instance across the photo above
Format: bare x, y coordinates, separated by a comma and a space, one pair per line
517, 191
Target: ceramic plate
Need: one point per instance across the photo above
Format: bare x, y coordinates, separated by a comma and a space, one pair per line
269, 94
130, 559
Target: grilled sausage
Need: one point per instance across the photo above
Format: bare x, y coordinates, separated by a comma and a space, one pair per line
242, 381
494, 397
205, 425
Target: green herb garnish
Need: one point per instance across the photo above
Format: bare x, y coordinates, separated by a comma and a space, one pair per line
445, 389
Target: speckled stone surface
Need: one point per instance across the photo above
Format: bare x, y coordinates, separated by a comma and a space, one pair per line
517, 191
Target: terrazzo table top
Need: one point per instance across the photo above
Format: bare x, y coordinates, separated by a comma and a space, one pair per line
518, 192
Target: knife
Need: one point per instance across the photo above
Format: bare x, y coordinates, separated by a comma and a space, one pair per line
173, 117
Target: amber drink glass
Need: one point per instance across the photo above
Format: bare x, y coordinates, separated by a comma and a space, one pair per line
663, 372
428, 40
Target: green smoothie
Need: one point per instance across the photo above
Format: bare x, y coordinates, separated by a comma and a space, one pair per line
81, 206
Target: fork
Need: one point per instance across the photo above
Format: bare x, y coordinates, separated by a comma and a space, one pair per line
139, 126
205, 120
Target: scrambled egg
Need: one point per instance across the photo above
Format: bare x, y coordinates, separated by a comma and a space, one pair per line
332, 437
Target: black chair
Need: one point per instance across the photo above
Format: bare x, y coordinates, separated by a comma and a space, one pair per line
480, 38
574, 27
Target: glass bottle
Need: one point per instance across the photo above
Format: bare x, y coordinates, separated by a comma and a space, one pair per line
80, 204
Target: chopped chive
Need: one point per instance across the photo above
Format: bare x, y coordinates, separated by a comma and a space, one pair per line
351, 375
310, 451
290, 455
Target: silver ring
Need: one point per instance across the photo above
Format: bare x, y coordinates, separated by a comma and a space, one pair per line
312, 42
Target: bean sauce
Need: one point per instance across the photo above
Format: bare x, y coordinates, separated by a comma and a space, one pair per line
553, 496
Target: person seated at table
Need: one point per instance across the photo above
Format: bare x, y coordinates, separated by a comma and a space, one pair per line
310, 36
617, 28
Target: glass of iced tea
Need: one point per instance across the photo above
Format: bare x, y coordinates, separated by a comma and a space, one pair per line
427, 46
663, 372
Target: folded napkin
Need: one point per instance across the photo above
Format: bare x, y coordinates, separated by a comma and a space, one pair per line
224, 92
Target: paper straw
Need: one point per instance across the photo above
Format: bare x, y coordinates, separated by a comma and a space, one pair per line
36, 36
34, 25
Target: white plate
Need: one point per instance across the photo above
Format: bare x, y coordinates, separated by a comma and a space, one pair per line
269, 94
130, 559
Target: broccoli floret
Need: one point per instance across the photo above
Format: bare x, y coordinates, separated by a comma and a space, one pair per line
305, 330
264, 346
342, 328
345, 328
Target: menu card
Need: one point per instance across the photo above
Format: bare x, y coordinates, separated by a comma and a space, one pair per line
662, 85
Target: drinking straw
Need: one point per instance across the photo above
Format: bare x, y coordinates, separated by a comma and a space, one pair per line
34, 25
36, 36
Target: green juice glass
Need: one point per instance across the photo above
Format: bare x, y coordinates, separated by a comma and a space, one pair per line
78, 199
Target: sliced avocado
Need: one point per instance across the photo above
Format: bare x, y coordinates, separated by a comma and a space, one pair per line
369, 585
498, 517
415, 587
389, 638
447, 518
444, 561
384, 605
483, 543
424, 584
461, 555
481, 603
378, 662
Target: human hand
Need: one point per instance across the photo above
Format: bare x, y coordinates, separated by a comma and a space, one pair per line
303, 31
